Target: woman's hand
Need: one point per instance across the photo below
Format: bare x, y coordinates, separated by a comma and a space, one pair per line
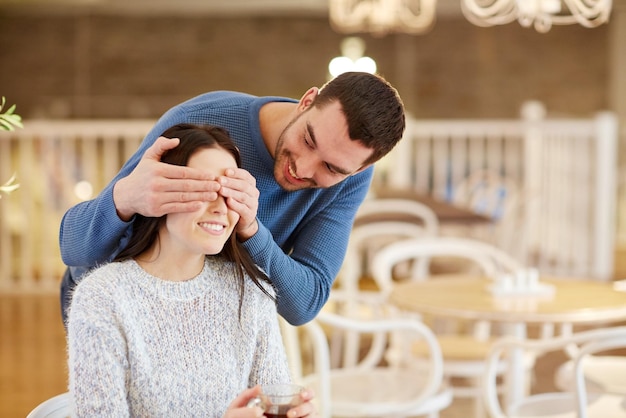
306, 408
238, 407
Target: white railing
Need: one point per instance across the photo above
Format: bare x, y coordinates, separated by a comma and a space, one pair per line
567, 169
53, 160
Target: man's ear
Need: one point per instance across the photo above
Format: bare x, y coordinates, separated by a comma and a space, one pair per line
308, 98
361, 169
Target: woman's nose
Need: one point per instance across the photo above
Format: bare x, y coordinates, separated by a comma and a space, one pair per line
218, 205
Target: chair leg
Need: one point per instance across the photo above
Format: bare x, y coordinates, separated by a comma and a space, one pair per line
476, 397
479, 408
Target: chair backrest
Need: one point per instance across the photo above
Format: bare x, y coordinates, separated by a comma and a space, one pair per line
365, 241
590, 342
312, 344
490, 259
56, 407
379, 222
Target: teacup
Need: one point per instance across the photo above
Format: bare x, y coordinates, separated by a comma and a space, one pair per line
276, 400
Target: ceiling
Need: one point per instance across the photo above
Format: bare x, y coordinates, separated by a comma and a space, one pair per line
239, 7
212, 7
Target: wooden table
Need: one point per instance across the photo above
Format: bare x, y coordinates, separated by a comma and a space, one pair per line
575, 301
446, 212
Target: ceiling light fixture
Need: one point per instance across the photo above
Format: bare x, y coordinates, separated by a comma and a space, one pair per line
540, 13
380, 17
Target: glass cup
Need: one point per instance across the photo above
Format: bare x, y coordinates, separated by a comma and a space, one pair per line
276, 400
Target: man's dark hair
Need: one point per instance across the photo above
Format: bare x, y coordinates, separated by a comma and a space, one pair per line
373, 109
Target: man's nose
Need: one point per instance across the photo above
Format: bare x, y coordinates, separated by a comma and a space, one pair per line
306, 166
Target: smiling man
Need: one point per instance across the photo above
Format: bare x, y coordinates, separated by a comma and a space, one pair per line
307, 166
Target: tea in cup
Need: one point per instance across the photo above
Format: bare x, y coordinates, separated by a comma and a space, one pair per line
276, 400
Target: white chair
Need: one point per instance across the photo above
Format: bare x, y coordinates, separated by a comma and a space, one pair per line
491, 260
605, 373
56, 407
582, 402
379, 222
393, 209
368, 389
464, 344
365, 241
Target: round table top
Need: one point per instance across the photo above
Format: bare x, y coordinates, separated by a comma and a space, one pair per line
573, 300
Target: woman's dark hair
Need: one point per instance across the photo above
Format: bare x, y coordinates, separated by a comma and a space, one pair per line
145, 230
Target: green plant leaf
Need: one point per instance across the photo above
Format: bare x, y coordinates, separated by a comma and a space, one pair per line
6, 125
9, 120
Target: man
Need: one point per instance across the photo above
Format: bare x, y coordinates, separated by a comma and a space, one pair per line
307, 166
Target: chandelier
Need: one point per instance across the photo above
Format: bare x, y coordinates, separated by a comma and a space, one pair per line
540, 13
380, 17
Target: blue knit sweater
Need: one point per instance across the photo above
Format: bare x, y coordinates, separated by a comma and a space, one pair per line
302, 235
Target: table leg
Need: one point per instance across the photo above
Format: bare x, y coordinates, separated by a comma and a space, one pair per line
515, 384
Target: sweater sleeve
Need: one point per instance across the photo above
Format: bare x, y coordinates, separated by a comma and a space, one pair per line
303, 277
97, 362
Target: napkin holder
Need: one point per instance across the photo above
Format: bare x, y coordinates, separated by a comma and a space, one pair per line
523, 283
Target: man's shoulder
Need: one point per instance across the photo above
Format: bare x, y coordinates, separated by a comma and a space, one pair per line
219, 98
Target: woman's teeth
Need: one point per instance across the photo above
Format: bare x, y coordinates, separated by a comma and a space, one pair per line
211, 226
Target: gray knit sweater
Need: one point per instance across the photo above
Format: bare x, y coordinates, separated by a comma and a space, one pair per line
143, 347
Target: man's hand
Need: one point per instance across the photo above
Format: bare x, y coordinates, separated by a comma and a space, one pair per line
154, 188
242, 196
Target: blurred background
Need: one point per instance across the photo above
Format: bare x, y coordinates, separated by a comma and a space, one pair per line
137, 58
134, 59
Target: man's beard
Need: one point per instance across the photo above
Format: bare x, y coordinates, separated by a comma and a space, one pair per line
282, 163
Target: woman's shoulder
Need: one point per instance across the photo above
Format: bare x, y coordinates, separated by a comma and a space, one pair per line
104, 278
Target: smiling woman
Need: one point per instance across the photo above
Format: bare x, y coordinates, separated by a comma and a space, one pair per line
182, 319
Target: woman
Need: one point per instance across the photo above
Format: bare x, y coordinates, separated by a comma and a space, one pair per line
182, 320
